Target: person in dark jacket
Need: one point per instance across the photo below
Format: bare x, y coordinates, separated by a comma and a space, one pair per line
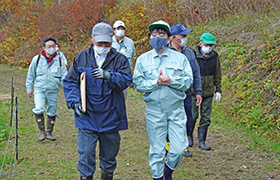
178, 43
210, 72
108, 73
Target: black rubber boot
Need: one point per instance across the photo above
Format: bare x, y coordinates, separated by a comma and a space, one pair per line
190, 134
106, 176
202, 133
41, 125
167, 173
86, 178
50, 125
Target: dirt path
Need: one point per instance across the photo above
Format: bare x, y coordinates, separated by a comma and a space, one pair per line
230, 157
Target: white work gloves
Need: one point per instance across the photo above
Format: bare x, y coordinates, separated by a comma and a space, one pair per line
218, 97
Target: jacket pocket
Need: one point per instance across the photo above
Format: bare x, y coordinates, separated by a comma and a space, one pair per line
174, 71
150, 72
55, 71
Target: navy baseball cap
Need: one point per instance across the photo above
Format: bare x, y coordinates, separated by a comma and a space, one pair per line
179, 29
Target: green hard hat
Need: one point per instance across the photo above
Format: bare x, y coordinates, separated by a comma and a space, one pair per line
207, 38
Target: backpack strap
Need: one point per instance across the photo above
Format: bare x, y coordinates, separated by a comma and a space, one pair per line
38, 60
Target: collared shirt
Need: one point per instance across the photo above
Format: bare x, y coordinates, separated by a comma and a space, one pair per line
100, 58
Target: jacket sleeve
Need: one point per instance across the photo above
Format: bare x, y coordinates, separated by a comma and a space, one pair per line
196, 78
31, 75
63, 72
122, 77
184, 81
141, 83
218, 76
71, 86
63, 58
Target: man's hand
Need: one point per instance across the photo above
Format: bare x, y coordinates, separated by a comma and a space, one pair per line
218, 97
78, 109
29, 94
163, 79
198, 100
100, 74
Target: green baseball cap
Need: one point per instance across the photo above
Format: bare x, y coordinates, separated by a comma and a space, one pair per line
159, 23
207, 38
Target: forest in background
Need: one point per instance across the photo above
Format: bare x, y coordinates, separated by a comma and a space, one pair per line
247, 34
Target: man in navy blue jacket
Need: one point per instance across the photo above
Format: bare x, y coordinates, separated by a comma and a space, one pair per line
108, 73
178, 43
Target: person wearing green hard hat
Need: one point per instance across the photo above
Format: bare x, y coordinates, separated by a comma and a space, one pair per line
163, 75
210, 72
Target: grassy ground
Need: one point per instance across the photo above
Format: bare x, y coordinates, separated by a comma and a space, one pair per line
234, 154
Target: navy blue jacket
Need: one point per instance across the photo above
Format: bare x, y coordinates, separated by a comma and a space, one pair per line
105, 102
196, 85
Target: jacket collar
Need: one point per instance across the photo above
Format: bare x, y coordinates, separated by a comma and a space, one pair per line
111, 55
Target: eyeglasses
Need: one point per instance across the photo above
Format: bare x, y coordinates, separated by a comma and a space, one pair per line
50, 46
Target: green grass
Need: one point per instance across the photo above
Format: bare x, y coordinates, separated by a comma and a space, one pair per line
219, 118
5, 113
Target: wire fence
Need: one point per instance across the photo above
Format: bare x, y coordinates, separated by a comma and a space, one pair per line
11, 151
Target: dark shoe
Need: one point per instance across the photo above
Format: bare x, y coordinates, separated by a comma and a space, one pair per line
161, 178
50, 137
50, 125
86, 178
187, 153
202, 133
42, 136
167, 173
106, 176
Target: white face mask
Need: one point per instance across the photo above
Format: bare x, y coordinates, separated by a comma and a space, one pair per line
102, 50
183, 41
206, 49
119, 33
56, 49
50, 51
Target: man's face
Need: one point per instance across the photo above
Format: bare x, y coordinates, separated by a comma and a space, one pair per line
158, 33
49, 44
119, 28
178, 37
103, 44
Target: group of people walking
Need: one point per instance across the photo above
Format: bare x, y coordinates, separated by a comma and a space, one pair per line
175, 82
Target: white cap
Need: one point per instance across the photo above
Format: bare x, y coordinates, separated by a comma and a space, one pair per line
118, 23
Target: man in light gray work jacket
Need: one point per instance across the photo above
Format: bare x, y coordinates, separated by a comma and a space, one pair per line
46, 71
123, 44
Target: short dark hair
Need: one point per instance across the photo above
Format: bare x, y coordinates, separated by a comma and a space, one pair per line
48, 39
160, 29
